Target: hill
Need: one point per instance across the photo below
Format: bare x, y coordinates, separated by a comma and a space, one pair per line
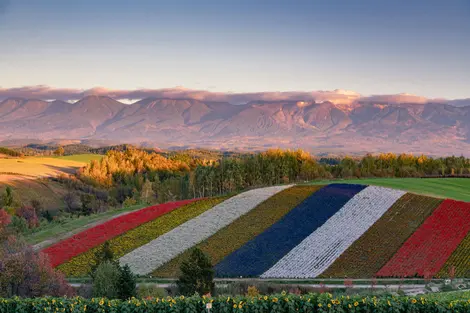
431, 128
29, 178
287, 232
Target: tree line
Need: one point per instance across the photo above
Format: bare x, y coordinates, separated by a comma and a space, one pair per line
149, 177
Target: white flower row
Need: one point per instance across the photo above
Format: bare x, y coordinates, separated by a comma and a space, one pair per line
321, 248
154, 254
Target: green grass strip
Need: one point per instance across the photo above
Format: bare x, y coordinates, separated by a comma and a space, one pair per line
367, 255
80, 265
248, 226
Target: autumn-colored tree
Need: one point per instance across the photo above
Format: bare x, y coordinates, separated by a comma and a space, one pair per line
59, 151
5, 219
29, 214
28, 273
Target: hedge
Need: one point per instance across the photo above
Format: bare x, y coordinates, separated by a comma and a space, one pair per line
281, 303
245, 228
80, 265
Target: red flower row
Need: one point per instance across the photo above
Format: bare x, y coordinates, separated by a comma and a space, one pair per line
66, 249
426, 251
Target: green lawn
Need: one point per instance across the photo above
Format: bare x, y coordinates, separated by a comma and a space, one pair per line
74, 224
86, 158
454, 188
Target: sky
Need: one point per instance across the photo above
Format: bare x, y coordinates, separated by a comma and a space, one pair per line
372, 47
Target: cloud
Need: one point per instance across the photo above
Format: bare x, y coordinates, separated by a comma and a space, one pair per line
400, 98
338, 96
49, 93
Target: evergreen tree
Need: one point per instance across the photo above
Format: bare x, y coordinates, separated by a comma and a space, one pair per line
105, 254
127, 283
7, 198
197, 274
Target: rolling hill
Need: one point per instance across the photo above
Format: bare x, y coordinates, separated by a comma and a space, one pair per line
432, 128
289, 231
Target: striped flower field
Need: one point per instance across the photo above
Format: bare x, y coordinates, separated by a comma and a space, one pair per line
337, 230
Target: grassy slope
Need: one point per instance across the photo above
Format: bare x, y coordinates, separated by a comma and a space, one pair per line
75, 225
38, 166
85, 158
48, 193
454, 188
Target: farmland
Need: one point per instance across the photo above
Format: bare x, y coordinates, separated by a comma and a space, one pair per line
248, 226
366, 256
453, 188
140, 235
424, 253
286, 232
39, 166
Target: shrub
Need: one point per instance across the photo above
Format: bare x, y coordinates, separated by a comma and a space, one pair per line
252, 292
29, 214
19, 225
5, 219
106, 280
27, 273
146, 291
197, 274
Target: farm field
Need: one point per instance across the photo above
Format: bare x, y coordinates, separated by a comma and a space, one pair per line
302, 232
453, 188
84, 158
38, 166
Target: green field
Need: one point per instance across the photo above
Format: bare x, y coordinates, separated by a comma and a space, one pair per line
454, 188
85, 158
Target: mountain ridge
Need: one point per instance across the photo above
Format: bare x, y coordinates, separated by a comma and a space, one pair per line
431, 128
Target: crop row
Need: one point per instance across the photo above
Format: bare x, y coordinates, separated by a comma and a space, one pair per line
80, 265
67, 249
459, 261
233, 236
367, 255
154, 254
319, 250
426, 251
263, 251
280, 303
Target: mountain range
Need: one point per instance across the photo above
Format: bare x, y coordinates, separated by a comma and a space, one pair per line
364, 126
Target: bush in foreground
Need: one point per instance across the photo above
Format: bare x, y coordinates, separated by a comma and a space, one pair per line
27, 273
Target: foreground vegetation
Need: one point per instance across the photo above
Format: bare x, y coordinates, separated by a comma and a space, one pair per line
255, 303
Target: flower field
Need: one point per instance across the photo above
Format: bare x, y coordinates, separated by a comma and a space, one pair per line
263, 251
460, 260
304, 231
144, 260
277, 303
245, 228
426, 251
367, 255
320, 249
80, 265
92, 237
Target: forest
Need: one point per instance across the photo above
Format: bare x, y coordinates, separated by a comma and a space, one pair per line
140, 175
